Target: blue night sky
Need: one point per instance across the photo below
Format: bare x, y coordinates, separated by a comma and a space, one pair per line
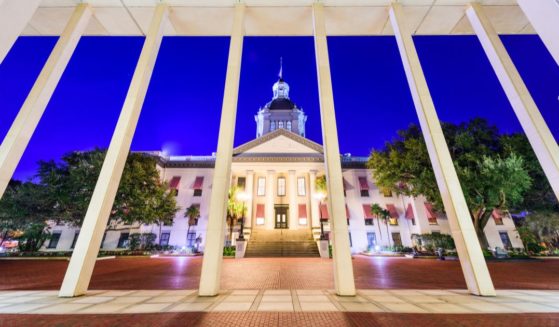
182, 108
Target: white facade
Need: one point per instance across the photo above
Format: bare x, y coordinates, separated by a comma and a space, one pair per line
277, 172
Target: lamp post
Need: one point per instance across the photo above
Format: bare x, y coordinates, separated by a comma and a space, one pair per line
243, 197
320, 196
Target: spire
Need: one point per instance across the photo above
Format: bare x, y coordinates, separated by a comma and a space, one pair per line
280, 75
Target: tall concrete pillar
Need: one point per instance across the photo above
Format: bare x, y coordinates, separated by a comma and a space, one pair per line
210, 277
315, 214
341, 252
249, 189
14, 16
293, 208
528, 114
270, 197
544, 17
78, 274
28, 117
461, 226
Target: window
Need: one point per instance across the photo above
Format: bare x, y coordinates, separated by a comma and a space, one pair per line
198, 184
505, 239
281, 186
241, 183
413, 221
301, 189
75, 239
364, 186
123, 240
174, 185
364, 193
280, 125
371, 239
369, 222
386, 192
164, 239
289, 126
272, 126
190, 239
397, 239
54, 238
103, 240
261, 191
393, 221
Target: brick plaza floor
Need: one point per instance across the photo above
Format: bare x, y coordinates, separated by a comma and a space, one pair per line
276, 273
519, 302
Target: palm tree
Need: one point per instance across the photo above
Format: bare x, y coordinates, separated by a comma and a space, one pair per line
383, 214
192, 213
235, 210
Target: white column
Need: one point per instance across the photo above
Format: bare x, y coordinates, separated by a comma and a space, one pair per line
78, 274
270, 197
14, 16
210, 277
544, 17
341, 252
249, 189
533, 124
315, 214
28, 117
293, 208
471, 258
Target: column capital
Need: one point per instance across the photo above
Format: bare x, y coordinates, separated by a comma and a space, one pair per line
313, 172
271, 172
250, 172
291, 172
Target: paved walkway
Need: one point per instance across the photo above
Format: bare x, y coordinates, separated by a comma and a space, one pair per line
277, 273
391, 301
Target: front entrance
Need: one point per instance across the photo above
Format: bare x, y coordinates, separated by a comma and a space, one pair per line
281, 214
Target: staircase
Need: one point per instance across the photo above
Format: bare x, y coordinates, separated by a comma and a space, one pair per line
281, 243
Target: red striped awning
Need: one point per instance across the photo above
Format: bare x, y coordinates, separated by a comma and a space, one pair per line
302, 211
259, 211
429, 211
392, 210
367, 211
363, 183
198, 183
409, 212
497, 214
324, 212
174, 183
346, 211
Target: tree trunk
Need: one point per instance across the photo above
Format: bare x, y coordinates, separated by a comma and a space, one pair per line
4, 237
482, 238
388, 232
187, 232
159, 237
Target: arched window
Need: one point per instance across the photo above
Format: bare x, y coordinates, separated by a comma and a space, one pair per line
280, 125
289, 126
273, 126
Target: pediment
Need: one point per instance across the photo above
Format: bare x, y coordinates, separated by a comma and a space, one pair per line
279, 141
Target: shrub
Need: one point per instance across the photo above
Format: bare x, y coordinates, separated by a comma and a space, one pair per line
229, 251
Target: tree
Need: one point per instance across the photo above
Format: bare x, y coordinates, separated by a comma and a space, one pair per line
24, 211
235, 210
545, 227
383, 214
141, 197
192, 213
489, 178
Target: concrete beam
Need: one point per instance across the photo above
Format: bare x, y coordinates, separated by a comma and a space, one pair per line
544, 17
30, 114
210, 278
14, 16
534, 126
341, 251
472, 261
78, 275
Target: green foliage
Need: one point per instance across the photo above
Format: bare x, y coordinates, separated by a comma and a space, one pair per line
540, 227
490, 176
229, 251
379, 212
235, 209
192, 213
434, 241
33, 237
144, 241
320, 185
141, 197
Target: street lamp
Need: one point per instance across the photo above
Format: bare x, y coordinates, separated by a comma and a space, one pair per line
320, 196
243, 197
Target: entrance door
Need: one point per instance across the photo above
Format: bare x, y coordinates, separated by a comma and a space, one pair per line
281, 216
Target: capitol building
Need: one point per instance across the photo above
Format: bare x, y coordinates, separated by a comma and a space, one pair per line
277, 172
